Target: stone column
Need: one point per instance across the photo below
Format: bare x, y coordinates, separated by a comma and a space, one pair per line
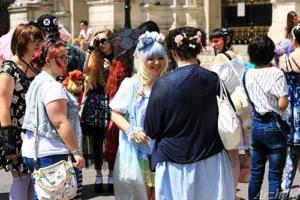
280, 9
194, 13
78, 11
213, 14
24, 10
62, 11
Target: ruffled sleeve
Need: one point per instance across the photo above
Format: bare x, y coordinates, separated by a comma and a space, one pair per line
123, 98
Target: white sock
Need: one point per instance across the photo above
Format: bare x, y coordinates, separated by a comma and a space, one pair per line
98, 180
110, 180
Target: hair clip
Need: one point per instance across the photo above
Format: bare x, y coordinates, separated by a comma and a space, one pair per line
192, 46
197, 37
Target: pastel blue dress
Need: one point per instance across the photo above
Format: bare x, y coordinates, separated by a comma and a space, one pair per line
131, 171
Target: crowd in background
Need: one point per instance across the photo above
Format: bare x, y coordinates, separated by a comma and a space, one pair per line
141, 102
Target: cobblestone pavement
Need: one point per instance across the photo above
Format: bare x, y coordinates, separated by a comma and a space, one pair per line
88, 187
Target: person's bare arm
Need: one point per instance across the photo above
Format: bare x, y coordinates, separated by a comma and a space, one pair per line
282, 103
57, 113
124, 125
6, 91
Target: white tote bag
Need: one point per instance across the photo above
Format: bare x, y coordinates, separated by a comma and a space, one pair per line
229, 125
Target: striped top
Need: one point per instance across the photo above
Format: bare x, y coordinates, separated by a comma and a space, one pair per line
265, 86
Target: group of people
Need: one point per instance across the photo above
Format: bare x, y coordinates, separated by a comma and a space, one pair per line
157, 119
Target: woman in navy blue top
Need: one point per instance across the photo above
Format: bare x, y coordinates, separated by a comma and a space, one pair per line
182, 116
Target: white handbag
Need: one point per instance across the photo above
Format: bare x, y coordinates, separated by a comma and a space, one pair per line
229, 125
57, 181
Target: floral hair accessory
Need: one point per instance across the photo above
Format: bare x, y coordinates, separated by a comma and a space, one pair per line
178, 39
160, 38
148, 38
197, 37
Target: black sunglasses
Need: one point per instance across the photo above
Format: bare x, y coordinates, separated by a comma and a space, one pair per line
103, 41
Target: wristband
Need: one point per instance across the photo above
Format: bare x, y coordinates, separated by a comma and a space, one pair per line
90, 48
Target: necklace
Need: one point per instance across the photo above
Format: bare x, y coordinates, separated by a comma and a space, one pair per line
29, 66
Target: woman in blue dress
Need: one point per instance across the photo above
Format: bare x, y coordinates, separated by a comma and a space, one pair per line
132, 177
290, 64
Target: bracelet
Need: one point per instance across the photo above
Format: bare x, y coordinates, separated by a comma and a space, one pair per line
90, 49
76, 152
132, 132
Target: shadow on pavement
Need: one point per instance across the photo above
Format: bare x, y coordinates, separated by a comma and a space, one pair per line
4, 196
88, 192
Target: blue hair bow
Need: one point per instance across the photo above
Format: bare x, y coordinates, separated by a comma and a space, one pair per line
148, 38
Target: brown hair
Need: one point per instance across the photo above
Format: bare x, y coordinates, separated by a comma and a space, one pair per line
189, 47
290, 20
22, 35
97, 74
108, 32
47, 50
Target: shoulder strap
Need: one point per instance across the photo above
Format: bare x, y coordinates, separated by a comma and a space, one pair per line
288, 59
227, 55
295, 63
246, 91
286, 63
230, 64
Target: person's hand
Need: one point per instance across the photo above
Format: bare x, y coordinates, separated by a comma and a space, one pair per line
13, 157
79, 161
94, 41
141, 137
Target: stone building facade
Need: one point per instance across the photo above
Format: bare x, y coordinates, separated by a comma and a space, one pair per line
168, 13
207, 14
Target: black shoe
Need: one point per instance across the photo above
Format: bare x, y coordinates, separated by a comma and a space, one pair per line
111, 188
98, 188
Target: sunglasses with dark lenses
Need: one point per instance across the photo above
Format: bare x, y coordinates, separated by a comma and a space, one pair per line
103, 41
215, 40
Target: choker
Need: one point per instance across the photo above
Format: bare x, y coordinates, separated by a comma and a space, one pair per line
34, 70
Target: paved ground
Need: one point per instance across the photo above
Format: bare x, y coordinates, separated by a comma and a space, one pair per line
88, 192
